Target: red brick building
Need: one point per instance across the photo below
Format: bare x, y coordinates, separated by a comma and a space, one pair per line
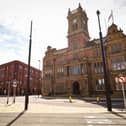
15, 72
78, 69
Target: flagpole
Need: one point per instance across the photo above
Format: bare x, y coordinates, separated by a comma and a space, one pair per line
112, 17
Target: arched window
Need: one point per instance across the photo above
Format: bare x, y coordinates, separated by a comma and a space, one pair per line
74, 26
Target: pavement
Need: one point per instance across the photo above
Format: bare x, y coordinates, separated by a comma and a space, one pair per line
58, 112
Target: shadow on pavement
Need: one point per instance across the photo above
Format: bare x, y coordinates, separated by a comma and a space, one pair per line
116, 103
16, 118
119, 115
54, 97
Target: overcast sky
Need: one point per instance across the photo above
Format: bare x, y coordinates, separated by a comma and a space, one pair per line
49, 25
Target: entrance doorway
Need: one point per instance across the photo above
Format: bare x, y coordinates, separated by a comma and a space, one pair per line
76, 88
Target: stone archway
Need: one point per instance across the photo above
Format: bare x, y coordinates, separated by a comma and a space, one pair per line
76, 88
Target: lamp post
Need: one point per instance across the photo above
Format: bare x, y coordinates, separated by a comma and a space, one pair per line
107, 86
28, 77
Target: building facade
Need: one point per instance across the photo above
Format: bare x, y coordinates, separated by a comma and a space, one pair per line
13, 76
78, 69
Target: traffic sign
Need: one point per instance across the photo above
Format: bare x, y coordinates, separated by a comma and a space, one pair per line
122, 79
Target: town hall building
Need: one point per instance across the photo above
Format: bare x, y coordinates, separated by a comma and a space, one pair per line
78, 68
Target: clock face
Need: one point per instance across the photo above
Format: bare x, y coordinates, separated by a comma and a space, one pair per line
74, 21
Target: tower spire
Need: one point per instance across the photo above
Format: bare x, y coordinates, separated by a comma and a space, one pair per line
79, 5
69, 11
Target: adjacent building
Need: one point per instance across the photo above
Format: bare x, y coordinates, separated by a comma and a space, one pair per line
13, 76
78, 68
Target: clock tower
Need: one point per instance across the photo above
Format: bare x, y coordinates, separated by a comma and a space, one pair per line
78, 34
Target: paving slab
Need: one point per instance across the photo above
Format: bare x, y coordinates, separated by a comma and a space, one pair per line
59, 112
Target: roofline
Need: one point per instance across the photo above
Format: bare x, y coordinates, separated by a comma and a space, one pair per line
18, 62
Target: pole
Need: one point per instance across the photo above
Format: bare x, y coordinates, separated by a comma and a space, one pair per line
54, 79
112, 16
8, 92
28, 72
123, 95
13, 94
107, 86
39, 86
14, 90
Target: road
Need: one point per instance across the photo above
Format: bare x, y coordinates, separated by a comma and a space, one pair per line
58, 112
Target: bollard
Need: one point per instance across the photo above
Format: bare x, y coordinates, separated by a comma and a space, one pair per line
98, 99
70, 99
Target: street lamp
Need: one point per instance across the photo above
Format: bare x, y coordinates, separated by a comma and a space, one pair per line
107, 86
28, 77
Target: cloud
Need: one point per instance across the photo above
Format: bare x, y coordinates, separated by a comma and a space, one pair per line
120, 3
13, 45
4, 37
49, 24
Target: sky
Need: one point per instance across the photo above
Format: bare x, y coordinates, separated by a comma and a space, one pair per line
49, 25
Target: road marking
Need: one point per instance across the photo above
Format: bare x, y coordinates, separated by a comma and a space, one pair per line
99, 121
96, 120
91, 117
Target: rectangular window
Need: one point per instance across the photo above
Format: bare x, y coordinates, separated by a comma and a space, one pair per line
95, 67
83, 68
101, 67
16, 66
74, 26
117, 84
2, 69
2, 75
20, 67
98, 67
118, 63
75, 45
97, 52
60, 72
100, 85
116, 48
68, 71
75, 70
48, 74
